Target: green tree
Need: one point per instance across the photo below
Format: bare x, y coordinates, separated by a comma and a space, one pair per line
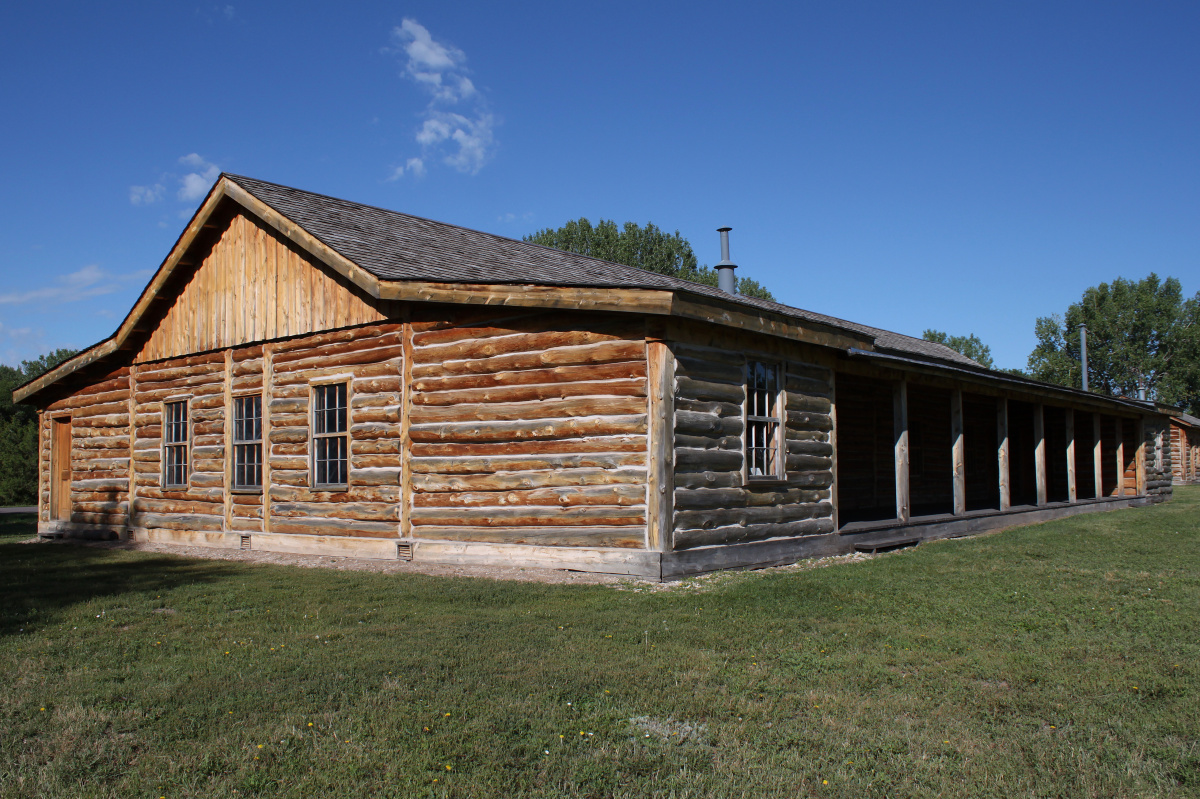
648, 248
1137, 331
18, 430
969, 346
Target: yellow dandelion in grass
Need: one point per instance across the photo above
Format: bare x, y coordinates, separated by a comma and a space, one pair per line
824, 782
449, 767
310, 724
447, 715
945, 742
260, 746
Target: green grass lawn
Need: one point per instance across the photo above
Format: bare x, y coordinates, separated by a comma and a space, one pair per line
1057, 660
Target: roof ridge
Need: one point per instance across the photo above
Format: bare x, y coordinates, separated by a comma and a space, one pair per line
508, 269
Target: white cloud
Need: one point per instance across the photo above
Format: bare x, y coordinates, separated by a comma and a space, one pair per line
196, 184
21, 344
413, 166
90, 281
145, 195
462, 139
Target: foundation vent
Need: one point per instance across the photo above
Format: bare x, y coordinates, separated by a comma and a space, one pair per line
403, 550
246, 542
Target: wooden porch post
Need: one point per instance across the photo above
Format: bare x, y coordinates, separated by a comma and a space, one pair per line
1097, 456
900, 420
1140, 466
1039, 452
1120, 457
661, 441
958, 452
833, 431
406, 406
1072, 490
1002, 452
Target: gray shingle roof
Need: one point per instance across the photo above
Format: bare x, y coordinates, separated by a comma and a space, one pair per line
398, 247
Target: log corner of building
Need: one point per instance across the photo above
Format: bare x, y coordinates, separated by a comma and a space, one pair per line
421, 391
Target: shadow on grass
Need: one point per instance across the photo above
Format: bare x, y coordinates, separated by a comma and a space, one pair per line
42, 579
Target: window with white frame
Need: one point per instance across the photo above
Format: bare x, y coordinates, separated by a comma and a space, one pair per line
175, 444
331, 443
763, 420
247, 442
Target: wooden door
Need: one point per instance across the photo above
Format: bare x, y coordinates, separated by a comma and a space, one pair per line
60, 469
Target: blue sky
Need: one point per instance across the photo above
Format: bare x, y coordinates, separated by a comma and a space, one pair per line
962, 166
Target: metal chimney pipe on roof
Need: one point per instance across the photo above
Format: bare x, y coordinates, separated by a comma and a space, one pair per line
725, 279
1083, 354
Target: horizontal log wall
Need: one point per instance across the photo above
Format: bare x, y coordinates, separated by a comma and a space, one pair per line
370, 361
254, 286
200, 505
713, 502
1159, 460
99, 452
529, 429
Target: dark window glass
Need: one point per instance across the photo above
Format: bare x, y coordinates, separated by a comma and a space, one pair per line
247, 442
762, 419
331, 444
175, 444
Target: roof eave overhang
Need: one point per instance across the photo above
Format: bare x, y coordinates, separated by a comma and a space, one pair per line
661, 302
994, 379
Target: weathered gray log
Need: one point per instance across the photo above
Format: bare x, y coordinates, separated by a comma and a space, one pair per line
707, 479
709, 391
804, 420
704, 424
560, 497
523, 411
432, 387
707, 460
546, 428
708, 442
358, 511
526, 393
527, 480
619, 443
178, 521
707, 407
750, 496
808, 462
779, 514
561, 356
801, 402
530, 516
631, 537
325, 526
689, 539
376, 476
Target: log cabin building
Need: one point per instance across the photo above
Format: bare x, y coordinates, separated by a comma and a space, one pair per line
306, 374
1185, 449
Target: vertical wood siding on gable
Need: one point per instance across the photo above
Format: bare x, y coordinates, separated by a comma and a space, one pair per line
254, 286
713, 502
530, 428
